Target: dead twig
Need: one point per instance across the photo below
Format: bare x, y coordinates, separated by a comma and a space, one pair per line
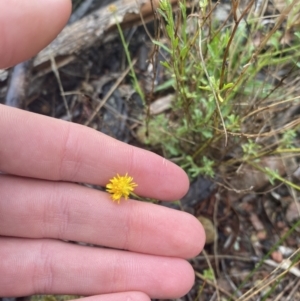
109, 93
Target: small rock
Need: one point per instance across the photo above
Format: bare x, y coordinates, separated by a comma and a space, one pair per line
277, 256
209, 228
293, 212
261, 235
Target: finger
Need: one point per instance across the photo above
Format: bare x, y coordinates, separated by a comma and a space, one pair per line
53, 267
42, 209
128, 296
28, 26
41, 147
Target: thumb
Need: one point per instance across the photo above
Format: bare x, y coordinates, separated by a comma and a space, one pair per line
27, 26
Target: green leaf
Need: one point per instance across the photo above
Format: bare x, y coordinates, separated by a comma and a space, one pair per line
163, 46
206, 88
175, 43
166, 65
227, 86
297, 34
209, 274
184, 51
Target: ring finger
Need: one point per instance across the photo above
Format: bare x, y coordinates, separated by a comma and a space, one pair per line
44, 266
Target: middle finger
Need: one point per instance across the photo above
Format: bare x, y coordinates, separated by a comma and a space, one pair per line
41, 209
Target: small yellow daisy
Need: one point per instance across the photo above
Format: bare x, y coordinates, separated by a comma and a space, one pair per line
120, 186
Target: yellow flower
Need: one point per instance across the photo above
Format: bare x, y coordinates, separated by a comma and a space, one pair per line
112, 8
120, 186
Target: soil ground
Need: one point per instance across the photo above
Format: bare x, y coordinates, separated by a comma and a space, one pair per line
246, 233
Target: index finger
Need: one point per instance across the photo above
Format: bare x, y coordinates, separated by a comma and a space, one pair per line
42, 147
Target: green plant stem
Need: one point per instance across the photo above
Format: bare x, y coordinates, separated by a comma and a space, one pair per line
237, 22
211, 86
202, 148
132, 72
276, 176
286, 151
144, 199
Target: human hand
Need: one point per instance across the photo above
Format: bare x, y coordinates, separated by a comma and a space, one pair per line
42, 207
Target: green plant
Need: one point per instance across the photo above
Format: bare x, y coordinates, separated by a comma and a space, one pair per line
226, 96
209, 274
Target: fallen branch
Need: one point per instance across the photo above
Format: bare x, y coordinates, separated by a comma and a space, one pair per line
98, 26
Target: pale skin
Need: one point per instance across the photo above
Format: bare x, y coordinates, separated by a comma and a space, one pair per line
42, 207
